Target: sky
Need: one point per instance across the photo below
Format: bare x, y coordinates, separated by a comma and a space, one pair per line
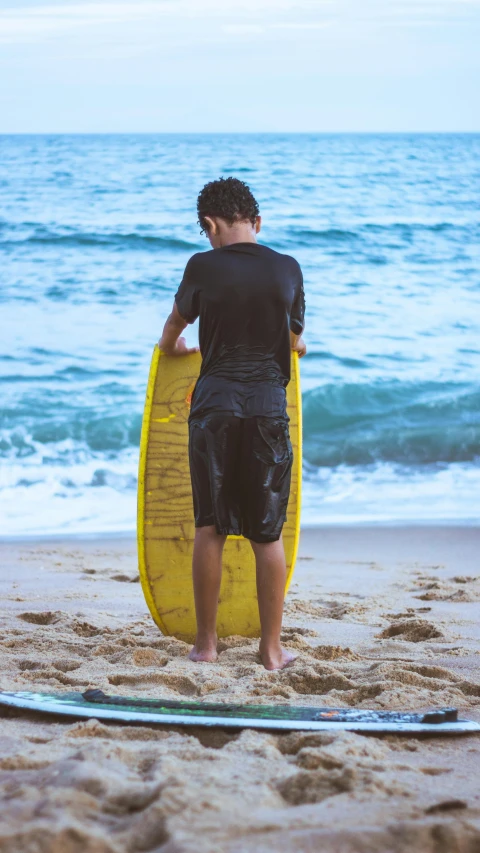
241, 66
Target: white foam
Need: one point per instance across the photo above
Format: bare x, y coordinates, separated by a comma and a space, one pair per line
54, 498
390, 493
98, 495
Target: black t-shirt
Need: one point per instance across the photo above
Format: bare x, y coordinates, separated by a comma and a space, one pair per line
248, 297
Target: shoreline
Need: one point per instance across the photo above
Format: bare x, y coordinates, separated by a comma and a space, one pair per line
434, 524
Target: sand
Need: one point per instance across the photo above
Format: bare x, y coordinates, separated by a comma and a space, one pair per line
380, 617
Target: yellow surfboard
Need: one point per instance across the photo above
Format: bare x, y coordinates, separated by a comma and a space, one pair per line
165, 510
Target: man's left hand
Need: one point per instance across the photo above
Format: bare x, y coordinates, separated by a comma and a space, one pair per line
300, 347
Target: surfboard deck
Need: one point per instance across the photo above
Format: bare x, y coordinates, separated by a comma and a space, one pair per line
165, 524
97, 705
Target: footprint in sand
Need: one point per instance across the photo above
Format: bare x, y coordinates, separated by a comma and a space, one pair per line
30, 665
85, 629
411, 630
432, 589
124, 578
44, 617
327, 610
149, 657
315, 680
333, 652
326, 771
446, 806
63, 665
178, 683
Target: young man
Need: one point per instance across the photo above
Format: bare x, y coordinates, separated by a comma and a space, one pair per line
251, 305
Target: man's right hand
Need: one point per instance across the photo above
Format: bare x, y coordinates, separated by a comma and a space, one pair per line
179, 348
298, 345
171, 343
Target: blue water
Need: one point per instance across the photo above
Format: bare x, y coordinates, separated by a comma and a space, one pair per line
94, 234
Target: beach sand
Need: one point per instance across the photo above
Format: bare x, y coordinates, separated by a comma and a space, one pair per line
381, 617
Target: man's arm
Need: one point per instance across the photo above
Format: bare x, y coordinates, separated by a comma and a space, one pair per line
171, 343
297, 316
298, 344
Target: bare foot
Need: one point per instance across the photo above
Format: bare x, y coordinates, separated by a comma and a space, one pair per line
203, 654
277, 659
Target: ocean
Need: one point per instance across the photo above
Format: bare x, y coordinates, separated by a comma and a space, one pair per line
94, 234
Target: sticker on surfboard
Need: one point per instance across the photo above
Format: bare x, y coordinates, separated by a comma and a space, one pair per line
98, 705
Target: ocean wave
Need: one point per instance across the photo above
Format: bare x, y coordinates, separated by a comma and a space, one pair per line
13, 235
70, 238
408, 423
76, 434
373, 233
328, 235
326, 355
354, 424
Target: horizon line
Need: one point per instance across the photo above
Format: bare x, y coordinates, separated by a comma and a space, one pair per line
240, 133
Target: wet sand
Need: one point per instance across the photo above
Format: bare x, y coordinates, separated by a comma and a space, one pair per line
380, 617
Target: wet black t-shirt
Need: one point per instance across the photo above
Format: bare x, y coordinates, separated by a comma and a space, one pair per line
248, 298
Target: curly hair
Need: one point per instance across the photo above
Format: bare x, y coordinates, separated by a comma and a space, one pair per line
227, 198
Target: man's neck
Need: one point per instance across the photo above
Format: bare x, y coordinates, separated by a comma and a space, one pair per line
237, 234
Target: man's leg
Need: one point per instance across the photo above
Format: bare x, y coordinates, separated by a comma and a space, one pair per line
271, 579
207, 574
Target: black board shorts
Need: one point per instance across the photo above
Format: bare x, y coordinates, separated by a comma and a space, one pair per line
240, 470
